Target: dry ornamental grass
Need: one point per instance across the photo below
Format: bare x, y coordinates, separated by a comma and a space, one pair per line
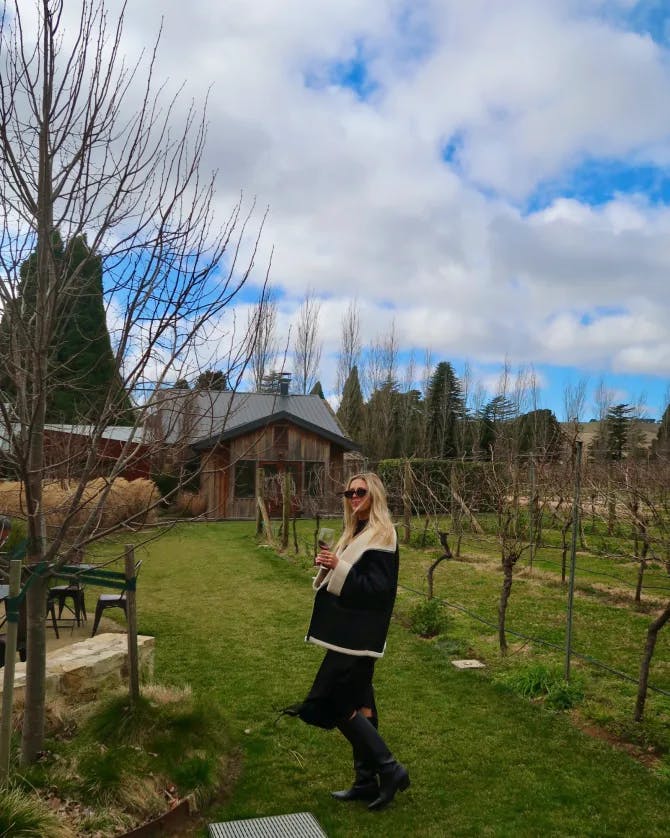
125, 501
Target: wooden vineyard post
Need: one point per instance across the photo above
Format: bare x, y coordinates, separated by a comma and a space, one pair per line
131, 605
8, 683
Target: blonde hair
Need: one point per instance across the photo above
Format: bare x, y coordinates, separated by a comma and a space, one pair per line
379, 521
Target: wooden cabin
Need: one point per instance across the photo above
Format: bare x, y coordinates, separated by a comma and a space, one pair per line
236, 434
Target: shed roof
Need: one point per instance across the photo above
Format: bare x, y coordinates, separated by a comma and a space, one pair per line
204, 417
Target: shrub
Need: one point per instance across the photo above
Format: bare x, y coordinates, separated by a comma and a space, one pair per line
427, 618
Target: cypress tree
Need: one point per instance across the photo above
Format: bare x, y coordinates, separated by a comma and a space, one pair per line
83, 371
350, 411
317, 390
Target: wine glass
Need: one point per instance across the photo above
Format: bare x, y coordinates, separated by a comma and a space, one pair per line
325, 539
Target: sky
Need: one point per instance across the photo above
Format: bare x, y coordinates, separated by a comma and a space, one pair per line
493, 178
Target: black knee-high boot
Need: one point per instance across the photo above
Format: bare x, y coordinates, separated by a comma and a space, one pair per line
365, 785
393, 776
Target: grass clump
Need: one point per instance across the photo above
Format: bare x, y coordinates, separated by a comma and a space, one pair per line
24, 815
427, 618
541, 682
126, 759
167, 733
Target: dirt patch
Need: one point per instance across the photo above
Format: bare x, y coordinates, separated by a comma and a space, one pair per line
647, 756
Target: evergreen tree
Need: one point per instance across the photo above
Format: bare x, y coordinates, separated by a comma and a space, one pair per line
317, 390
495, 418
539, 431
408, 437
83, 366
444, 409
350, 411
618, 425
211, 380
380, 430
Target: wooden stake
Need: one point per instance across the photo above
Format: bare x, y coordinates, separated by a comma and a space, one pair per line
131, 605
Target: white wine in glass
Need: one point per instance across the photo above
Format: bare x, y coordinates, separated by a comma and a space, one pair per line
326, 538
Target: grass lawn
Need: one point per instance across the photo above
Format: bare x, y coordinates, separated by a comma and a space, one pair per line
229, 618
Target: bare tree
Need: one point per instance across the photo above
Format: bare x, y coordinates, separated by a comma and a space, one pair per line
350, 344
307, 345
380, 375
262, 324
81, 156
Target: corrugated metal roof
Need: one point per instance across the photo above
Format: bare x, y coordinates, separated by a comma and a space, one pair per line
121, 433
199, 416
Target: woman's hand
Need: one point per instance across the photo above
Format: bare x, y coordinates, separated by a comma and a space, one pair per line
327, 559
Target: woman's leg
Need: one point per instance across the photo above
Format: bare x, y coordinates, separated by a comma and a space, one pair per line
366, 741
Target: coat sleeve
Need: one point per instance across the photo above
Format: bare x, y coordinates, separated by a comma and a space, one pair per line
369, 583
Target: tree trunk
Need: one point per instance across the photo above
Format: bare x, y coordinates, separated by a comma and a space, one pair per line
564, 549
286, 508
652, 634
642, 566
32, 741
508, 565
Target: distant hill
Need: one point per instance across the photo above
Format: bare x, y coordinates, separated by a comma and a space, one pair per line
646, 431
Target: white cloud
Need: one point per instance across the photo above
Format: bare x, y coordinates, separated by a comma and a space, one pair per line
361, 203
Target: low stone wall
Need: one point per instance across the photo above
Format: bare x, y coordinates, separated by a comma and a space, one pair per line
88, 667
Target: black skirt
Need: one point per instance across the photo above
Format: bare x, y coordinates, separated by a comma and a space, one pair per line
342, 685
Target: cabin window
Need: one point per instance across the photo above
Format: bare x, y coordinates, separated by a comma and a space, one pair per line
245, 479
315, 474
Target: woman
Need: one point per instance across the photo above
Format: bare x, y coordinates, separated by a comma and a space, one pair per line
355, 591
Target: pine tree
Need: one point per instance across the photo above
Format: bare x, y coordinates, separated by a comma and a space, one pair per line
494, 420
350, 411
444, 409
618, 428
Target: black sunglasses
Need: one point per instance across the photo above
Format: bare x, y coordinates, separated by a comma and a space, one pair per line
359, 493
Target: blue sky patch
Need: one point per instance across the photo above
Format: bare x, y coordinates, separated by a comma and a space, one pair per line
351, 73
598, 181
650, 17
600, 313
451, 150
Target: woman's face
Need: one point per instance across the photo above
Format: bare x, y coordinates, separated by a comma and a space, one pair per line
360, 506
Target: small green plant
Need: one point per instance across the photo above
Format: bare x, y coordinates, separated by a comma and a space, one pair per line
538, 681
564, 695
427, 618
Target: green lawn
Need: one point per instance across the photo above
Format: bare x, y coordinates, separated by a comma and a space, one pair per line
229, 618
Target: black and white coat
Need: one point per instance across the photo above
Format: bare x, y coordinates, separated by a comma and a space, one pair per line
354, 601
